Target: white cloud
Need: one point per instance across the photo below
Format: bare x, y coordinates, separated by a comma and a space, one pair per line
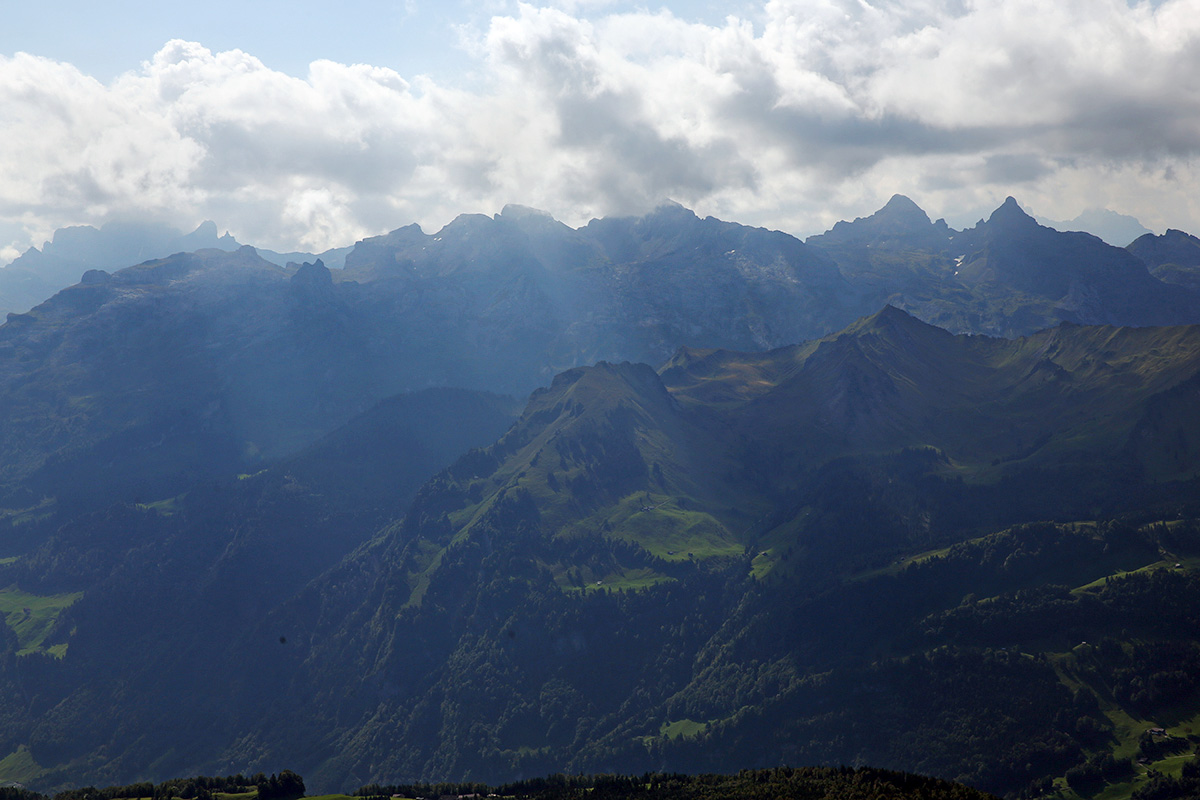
815, 110
71, 146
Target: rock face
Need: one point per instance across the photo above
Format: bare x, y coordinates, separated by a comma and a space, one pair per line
38, 274
616, 289
224, 359
1173, 257
899, 224
235, 360
1006, 276
1081, 278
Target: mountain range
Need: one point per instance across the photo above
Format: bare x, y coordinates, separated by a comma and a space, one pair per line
1173, 257
224, 360
258, 516
1007, 276
37, 274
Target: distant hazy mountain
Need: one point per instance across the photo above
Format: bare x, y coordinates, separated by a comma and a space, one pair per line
37, 274
1114, 228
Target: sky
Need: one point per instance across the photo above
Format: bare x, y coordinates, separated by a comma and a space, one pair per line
308, 125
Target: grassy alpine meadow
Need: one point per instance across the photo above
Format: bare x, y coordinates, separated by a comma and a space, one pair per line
19, 766
33, 616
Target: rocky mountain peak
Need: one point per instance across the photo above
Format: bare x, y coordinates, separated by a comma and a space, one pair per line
313, 275
901, 209
514, 211
1173, 234
891, 322
900, 222
1173, 257
670, 211
1009, 215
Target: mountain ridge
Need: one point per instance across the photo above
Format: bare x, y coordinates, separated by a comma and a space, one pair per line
737, 545
757, 552
37, 274
520, 527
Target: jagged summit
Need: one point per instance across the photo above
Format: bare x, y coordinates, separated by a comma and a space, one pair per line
517, 211
900, 223
472, 223
314, 275
1173, 247
1010, 213
902, 209
669, 205
602, 386
1173, 257
206, 235
669, 210
206, 228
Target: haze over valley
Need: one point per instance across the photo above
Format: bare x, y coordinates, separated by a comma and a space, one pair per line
655, 493
372, 425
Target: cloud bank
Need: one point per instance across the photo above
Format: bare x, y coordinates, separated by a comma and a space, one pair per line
813, 111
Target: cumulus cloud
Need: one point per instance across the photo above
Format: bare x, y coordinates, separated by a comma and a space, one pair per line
812, 111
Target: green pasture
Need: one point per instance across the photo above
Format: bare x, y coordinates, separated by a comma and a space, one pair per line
32, 616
